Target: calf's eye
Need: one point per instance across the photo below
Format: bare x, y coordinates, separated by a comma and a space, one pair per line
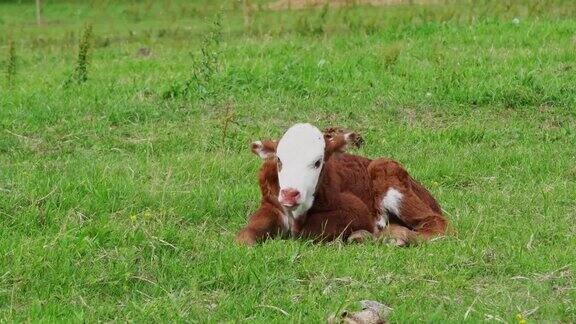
317, 164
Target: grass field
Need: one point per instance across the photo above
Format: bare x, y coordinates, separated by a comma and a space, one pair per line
120, 196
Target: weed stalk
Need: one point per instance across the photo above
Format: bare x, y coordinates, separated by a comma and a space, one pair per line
81, 72
11, 64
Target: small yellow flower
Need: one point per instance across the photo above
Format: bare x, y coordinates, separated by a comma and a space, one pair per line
133, 217
520, 319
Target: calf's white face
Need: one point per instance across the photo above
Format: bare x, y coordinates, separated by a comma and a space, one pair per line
300, 154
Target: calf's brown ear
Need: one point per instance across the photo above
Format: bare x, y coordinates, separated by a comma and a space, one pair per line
339, 140
264, 149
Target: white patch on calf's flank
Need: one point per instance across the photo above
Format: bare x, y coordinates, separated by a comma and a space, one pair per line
392, 201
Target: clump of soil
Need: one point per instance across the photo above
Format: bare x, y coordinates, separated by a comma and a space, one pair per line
372, 312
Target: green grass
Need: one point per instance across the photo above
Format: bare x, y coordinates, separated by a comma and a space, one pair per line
120, 197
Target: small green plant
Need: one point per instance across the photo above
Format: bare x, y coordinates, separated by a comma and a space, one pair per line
390, 54
227, 118
11, 64
205, 67
307, 25
81, 71
208, 63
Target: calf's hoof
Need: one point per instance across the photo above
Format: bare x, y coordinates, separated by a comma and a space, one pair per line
395, 241
245, 238
359, 236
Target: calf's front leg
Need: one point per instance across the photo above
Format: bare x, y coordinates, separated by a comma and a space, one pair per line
349, 215
399, 235
266, 222
395, 234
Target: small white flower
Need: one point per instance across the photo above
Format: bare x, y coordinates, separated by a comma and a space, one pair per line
515, 21
428, 94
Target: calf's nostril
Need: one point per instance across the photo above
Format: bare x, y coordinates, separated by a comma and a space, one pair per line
290, 194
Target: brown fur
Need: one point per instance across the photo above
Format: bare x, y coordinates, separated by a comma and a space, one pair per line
343, 200
336, 136
419, 211
347, 199
267, 146
266, 221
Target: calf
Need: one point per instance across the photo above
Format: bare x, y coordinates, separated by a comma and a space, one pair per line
312, 188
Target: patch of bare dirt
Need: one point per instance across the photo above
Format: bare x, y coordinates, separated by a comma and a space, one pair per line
302, 4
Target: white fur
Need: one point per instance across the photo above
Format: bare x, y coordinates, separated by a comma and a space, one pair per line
300, 147
347, 137
392, 201
287, 222
382, 222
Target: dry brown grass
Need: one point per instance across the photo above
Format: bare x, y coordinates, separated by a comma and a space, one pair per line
302, 4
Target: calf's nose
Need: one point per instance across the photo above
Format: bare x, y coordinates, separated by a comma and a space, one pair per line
289, 196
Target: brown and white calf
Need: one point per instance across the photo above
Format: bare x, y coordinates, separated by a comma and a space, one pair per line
311, 188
